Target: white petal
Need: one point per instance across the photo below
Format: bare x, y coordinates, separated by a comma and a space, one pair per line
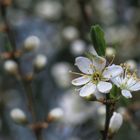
87, 89
99, 63
93, 51
84, 65
81, 80
135, 87
131, 81
112, 71
104, 87
117, 80
126, 93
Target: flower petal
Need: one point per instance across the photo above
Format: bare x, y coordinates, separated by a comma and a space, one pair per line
117, 80
112, 71
131, 81
104, 87
84, 65
135, 87
99, 63
81, 80
93, 51
87, 89
126, 93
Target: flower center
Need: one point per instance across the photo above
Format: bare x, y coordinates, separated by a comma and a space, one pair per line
96, 77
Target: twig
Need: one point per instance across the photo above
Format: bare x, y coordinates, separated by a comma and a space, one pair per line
109, 112
25, 84
86, 22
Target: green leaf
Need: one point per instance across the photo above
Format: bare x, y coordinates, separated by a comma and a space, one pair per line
97, 37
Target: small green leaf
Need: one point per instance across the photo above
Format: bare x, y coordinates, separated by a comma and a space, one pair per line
97, 37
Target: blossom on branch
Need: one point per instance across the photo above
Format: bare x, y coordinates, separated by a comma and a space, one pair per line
95, 76
127, 82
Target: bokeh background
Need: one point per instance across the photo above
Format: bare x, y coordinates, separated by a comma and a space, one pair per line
62, 31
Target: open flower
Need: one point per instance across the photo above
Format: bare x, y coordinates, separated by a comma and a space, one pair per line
127, 82
95, 76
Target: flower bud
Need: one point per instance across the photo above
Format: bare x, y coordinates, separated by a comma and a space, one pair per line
132, 64
11, 67
78, 47
40, 62
70, 33
110, 51
18, 116
55, 114
51, 10
31, 43
115, 122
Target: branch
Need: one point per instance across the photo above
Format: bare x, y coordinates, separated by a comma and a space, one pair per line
109, 112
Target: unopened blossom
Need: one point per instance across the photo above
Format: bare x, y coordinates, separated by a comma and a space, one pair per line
32, 42
56, 114
10, 66
78, 47
18, 116
70, 33
110, 51
127, 82
115, 122
132, 63
51, 10
95, 76
40, 61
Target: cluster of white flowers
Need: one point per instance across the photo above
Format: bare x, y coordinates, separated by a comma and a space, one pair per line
97, 78
127, 82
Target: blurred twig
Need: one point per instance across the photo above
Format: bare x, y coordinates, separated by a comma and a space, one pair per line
85, 21
26, 83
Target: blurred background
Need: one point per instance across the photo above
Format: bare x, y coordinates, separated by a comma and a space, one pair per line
48, 35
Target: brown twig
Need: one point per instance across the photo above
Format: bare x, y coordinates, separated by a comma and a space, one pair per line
109, 112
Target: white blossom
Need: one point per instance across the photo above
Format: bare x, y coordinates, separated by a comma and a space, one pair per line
127, 83
32, 42
132, 63
56, 113
51, 10
78, 47
75, 110
40, 61
18, 116
115, 122
10, 66
70, 33
95, 76
110, 51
